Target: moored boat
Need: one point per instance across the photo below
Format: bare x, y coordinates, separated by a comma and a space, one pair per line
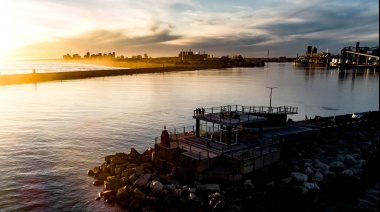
301, 61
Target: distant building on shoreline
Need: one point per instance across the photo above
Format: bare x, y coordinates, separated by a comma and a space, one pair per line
192, 56
90, 56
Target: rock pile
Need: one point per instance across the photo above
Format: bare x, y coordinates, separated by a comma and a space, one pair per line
131, 181
314, 171
327, 167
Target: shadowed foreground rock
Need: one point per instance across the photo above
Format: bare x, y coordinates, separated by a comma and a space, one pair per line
315, 171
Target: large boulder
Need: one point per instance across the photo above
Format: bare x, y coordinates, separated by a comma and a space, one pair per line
170, 187
321, 166
123, 155
122, 192
139, 195
350, 160
142, 181
113, 179
128, 172
103, 176
311, 186
299, 177
108, 158
143, 158
148, 152
118, 170
114, 186
147, 165
337, 166
318, 177
94, 171
111, 169
300, 189
140, 170
117, 160
134, 153
308, 171
346, 173
98, 182
124, 181
133, 177
107, 194
156, 186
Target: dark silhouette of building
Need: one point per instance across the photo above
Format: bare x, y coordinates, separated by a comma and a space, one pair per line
192, 56
360, 55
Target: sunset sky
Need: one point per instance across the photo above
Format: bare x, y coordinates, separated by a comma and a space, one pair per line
48, 29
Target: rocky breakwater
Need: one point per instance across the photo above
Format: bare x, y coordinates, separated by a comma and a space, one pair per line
315, 171
324, 168
131, 181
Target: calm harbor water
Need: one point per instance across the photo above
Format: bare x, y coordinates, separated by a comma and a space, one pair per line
53, 132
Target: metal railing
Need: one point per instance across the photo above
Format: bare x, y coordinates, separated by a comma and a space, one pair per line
237, 110
258, 147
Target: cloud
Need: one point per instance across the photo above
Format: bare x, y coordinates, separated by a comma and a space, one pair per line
98, 41
163, 28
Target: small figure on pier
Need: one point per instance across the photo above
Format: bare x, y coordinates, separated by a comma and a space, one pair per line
165, 139
305, 118
203, 112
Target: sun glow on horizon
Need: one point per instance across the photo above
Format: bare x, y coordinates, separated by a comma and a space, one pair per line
49, 29
15, 32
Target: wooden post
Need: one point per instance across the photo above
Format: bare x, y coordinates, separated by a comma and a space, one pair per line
197, 127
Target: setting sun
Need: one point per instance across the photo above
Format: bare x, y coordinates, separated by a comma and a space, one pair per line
9, 35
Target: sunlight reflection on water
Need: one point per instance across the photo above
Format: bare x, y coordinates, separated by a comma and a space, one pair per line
53, 132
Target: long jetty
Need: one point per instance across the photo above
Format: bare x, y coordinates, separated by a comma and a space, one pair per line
70, 75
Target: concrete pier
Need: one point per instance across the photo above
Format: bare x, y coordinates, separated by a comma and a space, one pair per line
202, 159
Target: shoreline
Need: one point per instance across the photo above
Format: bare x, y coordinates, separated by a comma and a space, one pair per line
70, 75
120, 68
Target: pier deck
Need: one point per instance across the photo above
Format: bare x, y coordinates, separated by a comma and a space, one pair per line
248, 145
205, 157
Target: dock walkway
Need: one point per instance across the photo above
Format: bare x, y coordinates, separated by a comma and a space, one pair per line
248, 144
254, 149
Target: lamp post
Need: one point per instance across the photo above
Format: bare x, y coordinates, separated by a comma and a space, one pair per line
270, 98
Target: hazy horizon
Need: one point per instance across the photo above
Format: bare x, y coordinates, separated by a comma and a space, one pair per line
45, 29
